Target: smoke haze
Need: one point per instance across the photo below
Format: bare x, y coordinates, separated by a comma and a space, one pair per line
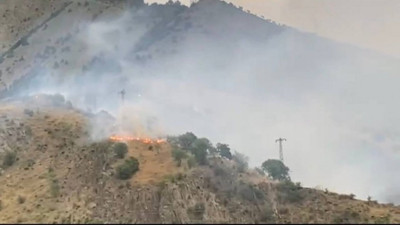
237, 79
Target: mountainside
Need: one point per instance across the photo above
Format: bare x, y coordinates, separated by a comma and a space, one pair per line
78, 77
59, 176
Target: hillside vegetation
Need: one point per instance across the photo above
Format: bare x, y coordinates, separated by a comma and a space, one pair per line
53, 173
53, 170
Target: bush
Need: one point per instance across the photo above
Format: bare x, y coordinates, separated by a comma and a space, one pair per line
289, 192
250, 193
9, 159
241, 161
178, 155
199, 149
276, 169
120, 149
224, 150
128, 168
21, 200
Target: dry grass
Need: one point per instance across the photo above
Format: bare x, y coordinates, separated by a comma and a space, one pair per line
154, 164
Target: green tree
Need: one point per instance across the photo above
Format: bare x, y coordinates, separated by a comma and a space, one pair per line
128, 168
276, 169
178, 155
120, 149
199, 149
224, 150
186, 140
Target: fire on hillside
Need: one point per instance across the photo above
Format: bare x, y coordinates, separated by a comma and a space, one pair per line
124, 138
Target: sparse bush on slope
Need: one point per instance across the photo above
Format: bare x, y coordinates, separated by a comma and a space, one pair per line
128, 168
9, 159
200, 148
120, 149
289, 192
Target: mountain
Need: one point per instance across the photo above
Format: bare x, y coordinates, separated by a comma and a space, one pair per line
52, 173
210, 68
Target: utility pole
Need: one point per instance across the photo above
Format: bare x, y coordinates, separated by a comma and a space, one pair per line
122, 93
280, 140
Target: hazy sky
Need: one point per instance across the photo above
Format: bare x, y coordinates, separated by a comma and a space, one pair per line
372, 24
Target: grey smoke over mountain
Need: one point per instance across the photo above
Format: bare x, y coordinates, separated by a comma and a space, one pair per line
234, 78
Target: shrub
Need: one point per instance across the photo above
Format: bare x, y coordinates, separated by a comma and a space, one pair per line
178, 155
120, 149
9, 159
199, 149
289, 192
21, 199
250, 193
276, 169
224, 150
128, 168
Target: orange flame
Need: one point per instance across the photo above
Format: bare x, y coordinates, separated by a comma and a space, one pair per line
120, 138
